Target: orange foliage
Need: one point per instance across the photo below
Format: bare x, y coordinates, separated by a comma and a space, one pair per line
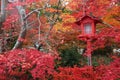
113, 16
53, 2
51, 10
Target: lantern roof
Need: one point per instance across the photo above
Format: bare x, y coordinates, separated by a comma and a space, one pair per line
95, 19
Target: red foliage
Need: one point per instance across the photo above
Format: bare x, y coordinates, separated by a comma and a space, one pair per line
103, 72
75, 73
107, 36
96, 7
9, 21
22, 63
3, 61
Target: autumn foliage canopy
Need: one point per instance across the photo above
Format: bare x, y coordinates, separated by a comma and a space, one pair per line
35, 33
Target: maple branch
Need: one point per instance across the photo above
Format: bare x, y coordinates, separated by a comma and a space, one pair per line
51, 22
23, 17
48, 33
27, 15
36, 10
107, 24
39, 26
22, 34
29, 24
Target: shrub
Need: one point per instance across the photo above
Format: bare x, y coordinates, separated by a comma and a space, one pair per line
25, 64
102, 72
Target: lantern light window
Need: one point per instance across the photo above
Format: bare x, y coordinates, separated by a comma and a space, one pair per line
87, 28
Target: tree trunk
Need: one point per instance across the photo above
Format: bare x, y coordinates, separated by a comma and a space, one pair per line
22, 34
2, 19
0, 45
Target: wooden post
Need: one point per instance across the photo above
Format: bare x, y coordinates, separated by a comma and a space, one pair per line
89, 51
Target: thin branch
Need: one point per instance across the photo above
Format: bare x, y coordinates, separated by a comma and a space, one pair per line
39, 26
108, 25
29, 25
36, 10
